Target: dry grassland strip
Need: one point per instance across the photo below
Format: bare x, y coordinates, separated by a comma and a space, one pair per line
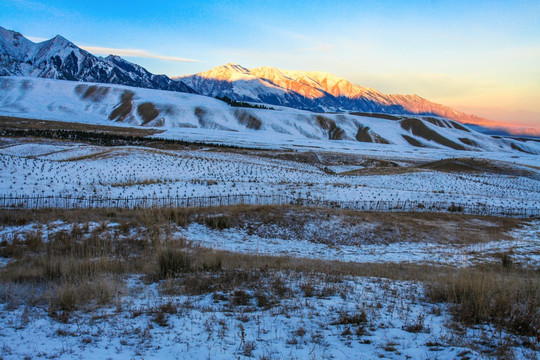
9, 122
393, 226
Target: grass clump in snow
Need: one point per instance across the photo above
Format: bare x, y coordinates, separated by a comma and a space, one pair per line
172, 261
508, 298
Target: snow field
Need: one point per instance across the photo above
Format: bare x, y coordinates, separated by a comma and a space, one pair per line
57, 169
318, 318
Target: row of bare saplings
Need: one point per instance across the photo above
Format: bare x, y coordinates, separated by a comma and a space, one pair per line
89, 202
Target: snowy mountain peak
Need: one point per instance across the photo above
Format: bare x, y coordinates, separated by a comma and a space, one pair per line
59, 58
114, 58
12, 40
312, 90
309, 84
227, 72
59, 42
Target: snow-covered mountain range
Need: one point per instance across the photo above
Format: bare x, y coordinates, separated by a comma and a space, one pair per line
314, 91
59, 58
183, 113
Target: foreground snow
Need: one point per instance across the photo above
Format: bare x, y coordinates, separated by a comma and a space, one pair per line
523, 248
279, 315
398, 324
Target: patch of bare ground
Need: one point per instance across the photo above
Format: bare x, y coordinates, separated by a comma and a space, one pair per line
418, 128
248, 120
477, 165
124, 107
413, 141
380, 170
334, 131
362, 134
92, 93
9, 122
375, 115
519, 148
147, 112
469, 142
365, 135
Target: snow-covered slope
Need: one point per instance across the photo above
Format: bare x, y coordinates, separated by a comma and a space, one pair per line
122, 105
59, 58
312, 90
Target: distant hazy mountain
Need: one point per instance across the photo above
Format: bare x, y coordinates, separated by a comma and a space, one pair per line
314, 91
60, 59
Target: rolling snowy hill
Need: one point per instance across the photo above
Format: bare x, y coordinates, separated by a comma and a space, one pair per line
121, 105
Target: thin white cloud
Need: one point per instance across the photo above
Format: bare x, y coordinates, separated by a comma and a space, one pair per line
100, 50
36, 39
133, 53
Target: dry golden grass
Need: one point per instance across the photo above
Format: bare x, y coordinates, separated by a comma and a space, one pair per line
446, 228
147, 111
498, 295
81, 269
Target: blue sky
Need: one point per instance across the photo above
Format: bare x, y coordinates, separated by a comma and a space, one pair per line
481, 56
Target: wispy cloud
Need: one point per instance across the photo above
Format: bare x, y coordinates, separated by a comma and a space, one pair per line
133, 53
100, 50
36, 39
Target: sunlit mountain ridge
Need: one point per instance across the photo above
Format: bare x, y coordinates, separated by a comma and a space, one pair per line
314, 91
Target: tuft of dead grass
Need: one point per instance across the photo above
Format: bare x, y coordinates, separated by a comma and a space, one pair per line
507, 298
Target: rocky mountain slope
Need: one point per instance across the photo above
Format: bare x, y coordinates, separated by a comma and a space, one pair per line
59, 58
314, 91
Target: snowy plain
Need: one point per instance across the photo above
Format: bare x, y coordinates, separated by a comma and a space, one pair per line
53, 168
